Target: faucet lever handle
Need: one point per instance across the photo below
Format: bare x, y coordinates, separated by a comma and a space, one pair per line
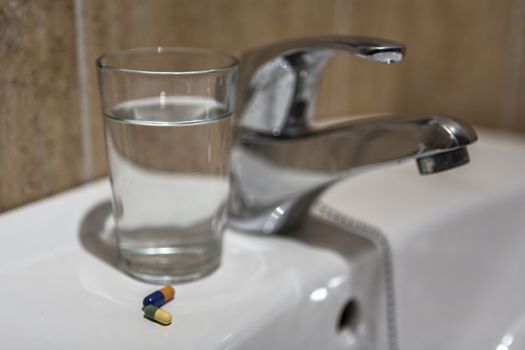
278, 83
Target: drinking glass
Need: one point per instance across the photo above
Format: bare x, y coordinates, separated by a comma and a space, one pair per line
167, 119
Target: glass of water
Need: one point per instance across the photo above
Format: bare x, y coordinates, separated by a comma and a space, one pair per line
168, 125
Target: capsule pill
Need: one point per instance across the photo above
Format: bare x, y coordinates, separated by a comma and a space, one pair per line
156, 314
159, 297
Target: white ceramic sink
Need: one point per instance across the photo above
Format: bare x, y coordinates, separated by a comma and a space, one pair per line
61, 289
457, 243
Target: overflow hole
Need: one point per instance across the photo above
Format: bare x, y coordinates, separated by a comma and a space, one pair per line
349, 317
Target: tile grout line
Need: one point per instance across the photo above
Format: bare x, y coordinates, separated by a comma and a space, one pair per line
512, 63
83, 91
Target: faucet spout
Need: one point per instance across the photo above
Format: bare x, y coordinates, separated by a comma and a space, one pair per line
276, 178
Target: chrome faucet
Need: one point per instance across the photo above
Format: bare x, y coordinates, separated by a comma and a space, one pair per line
282, 160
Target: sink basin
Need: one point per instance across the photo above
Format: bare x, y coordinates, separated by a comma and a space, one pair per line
445, 250
62, 290
458, 245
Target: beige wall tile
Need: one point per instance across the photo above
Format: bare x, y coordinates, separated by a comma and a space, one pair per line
513, 91
449, 67
40, 150
464, 59
454, 64
517, 119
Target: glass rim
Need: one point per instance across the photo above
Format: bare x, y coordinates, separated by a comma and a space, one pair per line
234, 61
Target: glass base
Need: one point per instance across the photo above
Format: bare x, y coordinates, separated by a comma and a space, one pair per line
171, 265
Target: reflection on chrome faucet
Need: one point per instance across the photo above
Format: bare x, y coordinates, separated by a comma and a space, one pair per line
281, 161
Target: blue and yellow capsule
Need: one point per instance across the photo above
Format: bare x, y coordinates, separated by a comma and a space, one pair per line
159, 297
156, 314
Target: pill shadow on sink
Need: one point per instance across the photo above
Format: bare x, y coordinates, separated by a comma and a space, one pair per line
97, 236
